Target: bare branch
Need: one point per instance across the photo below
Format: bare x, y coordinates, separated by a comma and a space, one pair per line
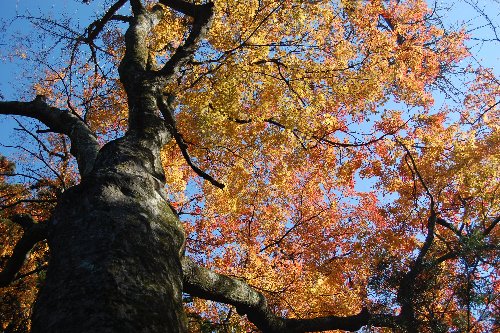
84, 145
41, 144
19, 175
121, 18
204, 283
183, 7
486, 17
419, 175
481, 115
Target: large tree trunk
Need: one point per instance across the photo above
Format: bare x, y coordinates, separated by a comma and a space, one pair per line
115, 250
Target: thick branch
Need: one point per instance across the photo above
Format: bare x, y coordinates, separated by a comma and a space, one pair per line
183, 7
448, 226
24, 220
31, 236
137, 52
134, 63
406, 290
203, 283
143, 85
202, 15
84, 145
97, 26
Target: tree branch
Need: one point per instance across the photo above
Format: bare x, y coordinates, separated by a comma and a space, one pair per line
448, 226
41, 144
24, 220
143, 85
136, 51
492, 226
135, 75
84, 145
406, 290
34, 234
203, 283
96, 27
184, 7
167, 113
320, 139
202, 15
121, 18
36, 270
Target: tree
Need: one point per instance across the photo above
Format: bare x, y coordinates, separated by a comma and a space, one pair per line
234, 179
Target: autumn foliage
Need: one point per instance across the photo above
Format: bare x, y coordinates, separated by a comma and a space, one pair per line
341, 174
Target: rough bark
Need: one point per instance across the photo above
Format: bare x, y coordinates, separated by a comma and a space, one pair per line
115, 250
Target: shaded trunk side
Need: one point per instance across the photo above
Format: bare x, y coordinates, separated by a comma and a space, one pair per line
115, 247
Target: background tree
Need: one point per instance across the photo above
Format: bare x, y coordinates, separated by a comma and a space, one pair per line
225, 151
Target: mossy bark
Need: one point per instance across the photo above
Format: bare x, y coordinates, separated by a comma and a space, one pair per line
115, 250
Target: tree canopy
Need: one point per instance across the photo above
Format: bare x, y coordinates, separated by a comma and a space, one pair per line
334, 163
